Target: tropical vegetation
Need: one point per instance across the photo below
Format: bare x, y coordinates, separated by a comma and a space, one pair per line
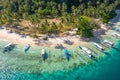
70, 14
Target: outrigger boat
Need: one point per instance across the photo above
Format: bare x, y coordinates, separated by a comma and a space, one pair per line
43, 53
27, 47
87, 52
107, 43
116, 35
67, 54
98, 46
116, 29
8, 47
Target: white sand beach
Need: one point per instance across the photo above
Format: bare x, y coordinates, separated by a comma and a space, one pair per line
52, 42
18, 39
14, 38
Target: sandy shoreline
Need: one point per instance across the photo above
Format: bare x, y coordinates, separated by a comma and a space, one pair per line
52, 42
14, 38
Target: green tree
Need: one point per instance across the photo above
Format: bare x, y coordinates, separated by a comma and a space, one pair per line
53, 28
42, 28
84, 27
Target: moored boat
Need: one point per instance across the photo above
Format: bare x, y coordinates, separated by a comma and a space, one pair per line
98, 46
43, 53
87, 52
27, 47
116, 29
67, 54
116, 35
110, 44
8, 47
107, 43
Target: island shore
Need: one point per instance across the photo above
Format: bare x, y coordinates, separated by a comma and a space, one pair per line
50, 42
5, 35
31, 61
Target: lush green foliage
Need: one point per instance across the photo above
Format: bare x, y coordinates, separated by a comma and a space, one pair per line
35, 9
84, 27
67, 10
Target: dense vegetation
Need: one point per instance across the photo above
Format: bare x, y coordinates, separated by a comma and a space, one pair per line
69, 13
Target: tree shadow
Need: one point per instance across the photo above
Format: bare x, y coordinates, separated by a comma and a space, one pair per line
68, 42
59, 46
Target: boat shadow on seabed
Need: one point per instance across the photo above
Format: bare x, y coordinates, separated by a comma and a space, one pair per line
9, 48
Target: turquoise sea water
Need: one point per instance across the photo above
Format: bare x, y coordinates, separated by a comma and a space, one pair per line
106, 68
28, 66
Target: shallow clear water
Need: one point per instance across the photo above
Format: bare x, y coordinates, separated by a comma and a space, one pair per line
106, 68
18, 65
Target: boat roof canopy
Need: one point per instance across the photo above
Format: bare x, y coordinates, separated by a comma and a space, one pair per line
8, 44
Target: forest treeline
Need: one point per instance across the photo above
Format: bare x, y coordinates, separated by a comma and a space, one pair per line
69, 12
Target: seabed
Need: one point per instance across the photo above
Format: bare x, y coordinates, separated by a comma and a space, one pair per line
18, 65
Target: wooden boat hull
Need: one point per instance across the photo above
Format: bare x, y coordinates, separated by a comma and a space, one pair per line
67, 55
26, 48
